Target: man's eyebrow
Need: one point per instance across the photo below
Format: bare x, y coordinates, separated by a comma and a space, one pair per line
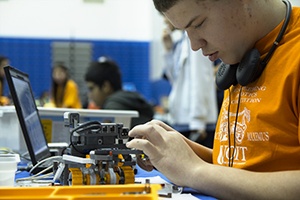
191, 21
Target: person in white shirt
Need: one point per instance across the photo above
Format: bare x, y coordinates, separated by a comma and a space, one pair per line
192, 100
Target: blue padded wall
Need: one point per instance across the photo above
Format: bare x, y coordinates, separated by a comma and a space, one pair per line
33, 56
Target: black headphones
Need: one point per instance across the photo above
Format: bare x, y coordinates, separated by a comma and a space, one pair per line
250, 67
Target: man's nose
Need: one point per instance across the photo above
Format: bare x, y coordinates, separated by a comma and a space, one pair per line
196, 41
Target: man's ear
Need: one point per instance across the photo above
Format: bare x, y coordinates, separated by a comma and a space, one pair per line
106, 87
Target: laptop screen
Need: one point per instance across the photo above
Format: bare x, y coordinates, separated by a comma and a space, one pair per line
28, 115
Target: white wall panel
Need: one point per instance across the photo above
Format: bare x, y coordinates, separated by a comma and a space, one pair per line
112, 19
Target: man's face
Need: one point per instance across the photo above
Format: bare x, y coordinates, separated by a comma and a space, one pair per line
220, 28
96, 93
169, 25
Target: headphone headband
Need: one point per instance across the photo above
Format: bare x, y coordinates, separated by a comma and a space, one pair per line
282, 30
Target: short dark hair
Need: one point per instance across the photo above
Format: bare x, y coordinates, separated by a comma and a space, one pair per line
164, 5
105, 70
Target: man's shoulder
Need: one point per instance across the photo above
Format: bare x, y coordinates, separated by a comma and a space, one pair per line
126, 99
126, 94
119, 99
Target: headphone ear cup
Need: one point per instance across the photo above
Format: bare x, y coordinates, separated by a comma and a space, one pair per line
249, 68
226, 76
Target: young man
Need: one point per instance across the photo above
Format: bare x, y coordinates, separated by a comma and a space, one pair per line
256, 152
104, 81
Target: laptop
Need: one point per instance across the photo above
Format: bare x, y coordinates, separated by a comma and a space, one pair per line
28, 115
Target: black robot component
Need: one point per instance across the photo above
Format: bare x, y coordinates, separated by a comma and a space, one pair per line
98, 153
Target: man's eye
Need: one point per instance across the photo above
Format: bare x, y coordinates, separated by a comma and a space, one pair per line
199, 24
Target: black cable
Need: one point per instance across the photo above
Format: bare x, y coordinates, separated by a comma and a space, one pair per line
234, 133
86, 124
90, 125
89, 128
281, 33
64, 149
24, 168
72, 144
228, 127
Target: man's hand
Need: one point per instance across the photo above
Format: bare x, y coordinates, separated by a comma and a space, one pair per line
166, 149
144, 163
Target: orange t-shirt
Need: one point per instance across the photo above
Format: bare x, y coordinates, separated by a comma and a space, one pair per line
267, 127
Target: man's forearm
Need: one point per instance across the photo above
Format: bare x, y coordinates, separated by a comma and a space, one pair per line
231, 183
202, 151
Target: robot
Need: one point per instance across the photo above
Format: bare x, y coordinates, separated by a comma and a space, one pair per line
98, 154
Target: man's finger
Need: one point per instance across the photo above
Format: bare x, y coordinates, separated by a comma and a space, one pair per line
152, 132
145, 145
144, 164
160, 123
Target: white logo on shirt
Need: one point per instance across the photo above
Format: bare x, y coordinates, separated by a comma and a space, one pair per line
241, 128
248, 95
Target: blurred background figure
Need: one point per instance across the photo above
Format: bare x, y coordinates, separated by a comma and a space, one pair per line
44, 99
3, 62
103, 79
64, 92
192, 100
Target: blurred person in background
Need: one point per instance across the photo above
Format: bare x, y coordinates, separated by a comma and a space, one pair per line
103, 79
64, 92
3, 62
192, 100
